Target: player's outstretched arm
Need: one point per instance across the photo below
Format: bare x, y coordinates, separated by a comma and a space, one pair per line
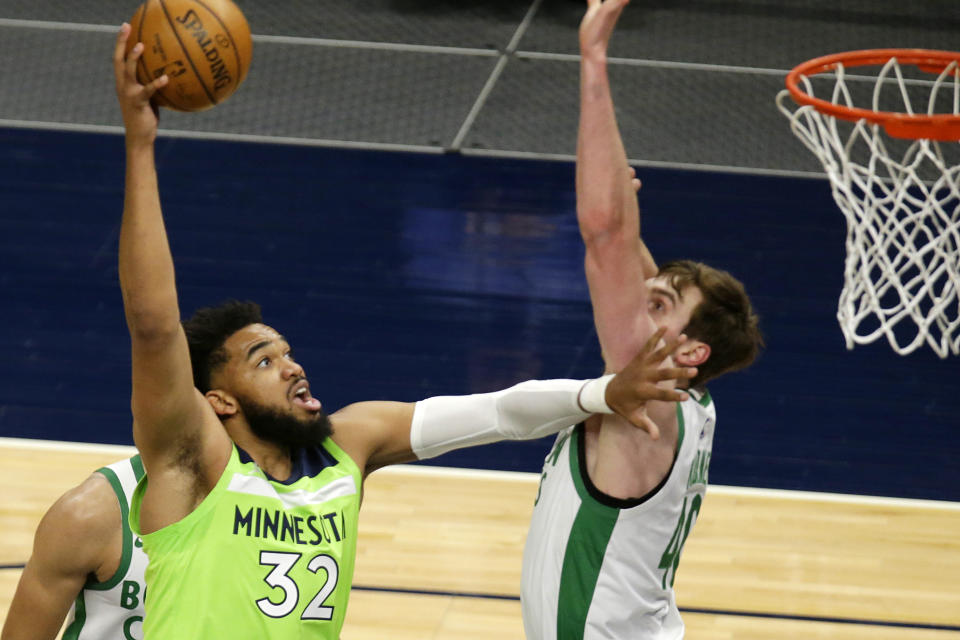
168, 412
72, 542
617, 262
376, 434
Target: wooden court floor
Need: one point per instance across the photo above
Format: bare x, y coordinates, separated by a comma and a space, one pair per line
439, 555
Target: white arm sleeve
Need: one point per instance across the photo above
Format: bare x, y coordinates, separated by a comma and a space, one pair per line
523, 412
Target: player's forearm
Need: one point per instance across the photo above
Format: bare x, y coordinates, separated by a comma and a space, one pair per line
146, 266
30, 625
27, 622
525, 411
606, 200
648, 264
37, 611
616, 261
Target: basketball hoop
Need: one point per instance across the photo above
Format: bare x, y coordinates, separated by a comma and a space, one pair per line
887, 137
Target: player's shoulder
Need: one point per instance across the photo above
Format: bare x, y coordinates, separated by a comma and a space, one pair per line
372, 410
89, 509
79, 531
363, 428
701, 397
133, 465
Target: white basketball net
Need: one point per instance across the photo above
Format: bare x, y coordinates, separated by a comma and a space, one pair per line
901, 201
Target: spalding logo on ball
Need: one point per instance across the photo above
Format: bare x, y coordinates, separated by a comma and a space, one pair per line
203, 46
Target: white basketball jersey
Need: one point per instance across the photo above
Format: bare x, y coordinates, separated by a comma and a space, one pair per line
113, 610
595, 567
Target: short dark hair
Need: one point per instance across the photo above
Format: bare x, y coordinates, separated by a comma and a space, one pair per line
208, 329
725, 319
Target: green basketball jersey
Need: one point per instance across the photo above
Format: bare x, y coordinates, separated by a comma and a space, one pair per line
258, 558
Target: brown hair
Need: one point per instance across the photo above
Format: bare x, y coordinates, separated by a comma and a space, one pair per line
725, 319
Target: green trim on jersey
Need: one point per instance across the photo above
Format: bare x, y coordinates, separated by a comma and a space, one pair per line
127, 549
79, 618
583, 557
704, 398
137, 465
681, 431
72, 632
586, 547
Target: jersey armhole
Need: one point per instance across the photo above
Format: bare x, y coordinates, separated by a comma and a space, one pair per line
578, 464
127, 544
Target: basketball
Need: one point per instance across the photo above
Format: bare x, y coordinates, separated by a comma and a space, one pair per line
204, 47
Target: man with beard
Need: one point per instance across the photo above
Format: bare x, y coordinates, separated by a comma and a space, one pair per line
248, 510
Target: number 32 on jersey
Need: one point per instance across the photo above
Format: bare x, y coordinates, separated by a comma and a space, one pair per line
279, 578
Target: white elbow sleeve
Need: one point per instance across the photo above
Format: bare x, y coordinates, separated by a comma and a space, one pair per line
523, 412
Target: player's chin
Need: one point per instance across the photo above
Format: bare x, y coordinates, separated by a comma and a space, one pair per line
316, 418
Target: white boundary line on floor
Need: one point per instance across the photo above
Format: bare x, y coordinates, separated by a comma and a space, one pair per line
518, 476
59, 445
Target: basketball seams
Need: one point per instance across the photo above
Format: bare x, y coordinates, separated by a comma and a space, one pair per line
197, 43
142, 11
186, 53
159, 95
143, 17
233, 41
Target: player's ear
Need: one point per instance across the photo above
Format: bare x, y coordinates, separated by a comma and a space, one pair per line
692, 353
224, 404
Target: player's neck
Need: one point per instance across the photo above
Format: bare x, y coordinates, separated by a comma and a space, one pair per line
273, 458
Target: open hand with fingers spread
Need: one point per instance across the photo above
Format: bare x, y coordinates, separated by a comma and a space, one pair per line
139, 114
643, 380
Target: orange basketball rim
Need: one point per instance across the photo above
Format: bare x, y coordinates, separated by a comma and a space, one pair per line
933, 126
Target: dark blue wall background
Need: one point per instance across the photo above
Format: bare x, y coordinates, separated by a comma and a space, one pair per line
400, 276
